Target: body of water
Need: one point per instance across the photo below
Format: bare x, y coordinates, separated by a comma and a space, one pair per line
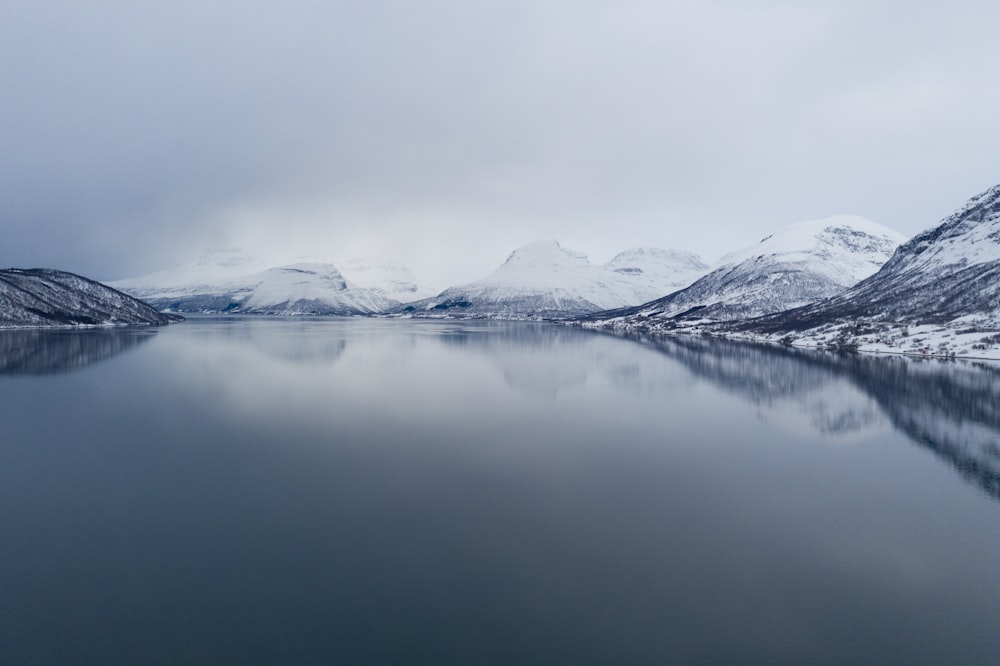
357, 491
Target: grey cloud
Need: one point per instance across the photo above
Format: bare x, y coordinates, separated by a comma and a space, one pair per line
444, 133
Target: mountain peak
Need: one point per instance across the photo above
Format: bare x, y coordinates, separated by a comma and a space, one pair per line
544, 253
45, 297
642, 255
851, 233
969, 236
983, 199
544, 279
945, 276
799, 264
228, 259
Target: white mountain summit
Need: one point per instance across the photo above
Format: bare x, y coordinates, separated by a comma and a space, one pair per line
231, 281
799, 264
947, 276
392, 280
544, 279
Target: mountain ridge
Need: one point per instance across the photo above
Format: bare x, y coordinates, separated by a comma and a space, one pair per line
218, 281
798, 264
947, 272
543, 279
44, 297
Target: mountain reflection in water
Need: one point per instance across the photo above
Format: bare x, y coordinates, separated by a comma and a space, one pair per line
53, 351
354, 490
951, 407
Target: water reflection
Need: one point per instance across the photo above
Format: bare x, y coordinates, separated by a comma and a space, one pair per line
381, 492
950, 407
535, 359
543, 360
44, 352
304, 341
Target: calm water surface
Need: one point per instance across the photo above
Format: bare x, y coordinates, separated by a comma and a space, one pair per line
397, 492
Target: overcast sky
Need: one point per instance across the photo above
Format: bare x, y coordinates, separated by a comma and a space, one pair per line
443, 133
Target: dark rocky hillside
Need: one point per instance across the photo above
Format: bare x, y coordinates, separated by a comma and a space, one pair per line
43, 297
949, 272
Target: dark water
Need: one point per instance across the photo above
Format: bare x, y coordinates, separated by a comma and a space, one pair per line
393, 492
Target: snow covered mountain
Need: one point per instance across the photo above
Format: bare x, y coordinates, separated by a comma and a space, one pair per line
231, 281
939, 295
211, 280
392, 281
214, 265
310, 289
656, 269
316, 289
546, 280
800, 264
947, 273
44, 297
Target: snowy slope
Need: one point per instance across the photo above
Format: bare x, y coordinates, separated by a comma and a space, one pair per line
544, 279
658, 271
310, 289
939, 295
217, 275
232, 281
799, 264
391, 280
214, 266
947, 273
44, 297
